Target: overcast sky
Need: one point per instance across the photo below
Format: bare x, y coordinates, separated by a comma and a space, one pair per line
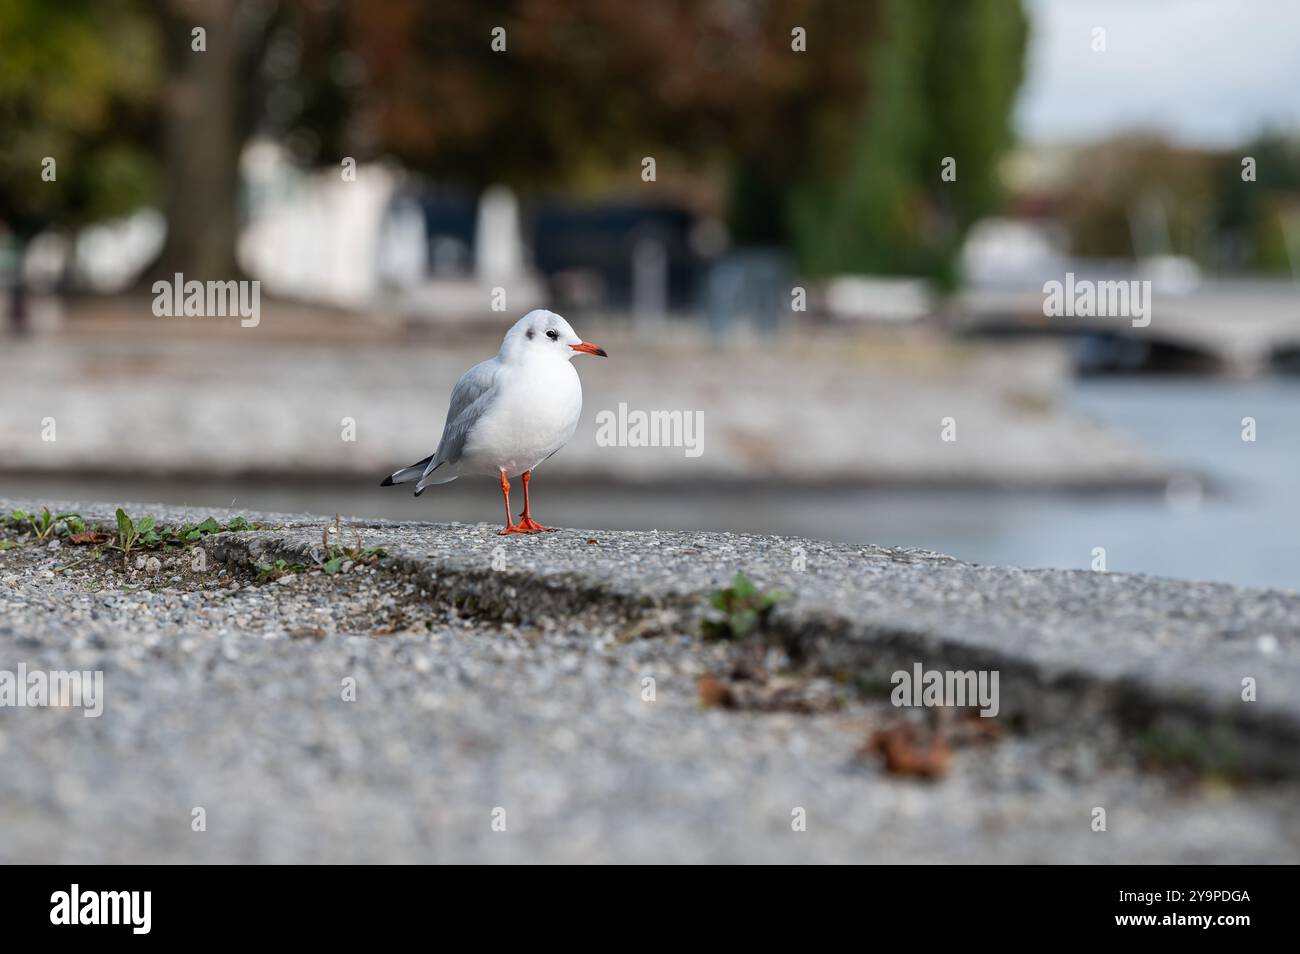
1208, 72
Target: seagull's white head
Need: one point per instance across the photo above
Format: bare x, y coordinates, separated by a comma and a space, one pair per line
543, 335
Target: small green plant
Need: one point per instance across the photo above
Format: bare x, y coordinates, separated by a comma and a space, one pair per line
336, 554
739, 609
148, 535
192, 533
269, 572
11, 520
41, 525
132, 535
188, 533
357, 554
1209, 751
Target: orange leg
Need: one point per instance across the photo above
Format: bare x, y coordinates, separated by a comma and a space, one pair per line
526, 521
505, 492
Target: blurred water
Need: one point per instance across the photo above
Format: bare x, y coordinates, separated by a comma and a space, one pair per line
1241, 527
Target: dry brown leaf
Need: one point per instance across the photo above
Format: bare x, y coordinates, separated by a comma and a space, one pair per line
90, 537
910, 750
714, 692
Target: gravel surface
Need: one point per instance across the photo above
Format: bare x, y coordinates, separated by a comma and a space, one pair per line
510, 674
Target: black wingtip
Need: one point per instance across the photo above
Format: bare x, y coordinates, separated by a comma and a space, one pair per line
386, 482
420, 491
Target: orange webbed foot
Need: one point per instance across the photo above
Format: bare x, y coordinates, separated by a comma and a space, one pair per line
529, 525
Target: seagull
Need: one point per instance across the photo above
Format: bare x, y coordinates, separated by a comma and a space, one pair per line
510, 413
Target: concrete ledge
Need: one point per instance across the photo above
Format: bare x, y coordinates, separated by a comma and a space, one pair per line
1161, 660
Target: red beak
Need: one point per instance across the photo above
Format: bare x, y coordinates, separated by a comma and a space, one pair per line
586, 347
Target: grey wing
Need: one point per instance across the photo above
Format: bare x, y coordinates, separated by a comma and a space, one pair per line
473, 394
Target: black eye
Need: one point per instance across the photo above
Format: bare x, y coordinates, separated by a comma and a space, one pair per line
553, 334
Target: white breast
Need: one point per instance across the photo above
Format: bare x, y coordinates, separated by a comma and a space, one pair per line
536, 414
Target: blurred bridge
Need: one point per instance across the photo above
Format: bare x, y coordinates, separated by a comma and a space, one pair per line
1241, 328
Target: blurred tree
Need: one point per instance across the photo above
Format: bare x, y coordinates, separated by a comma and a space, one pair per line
1141, 196
78, 86
834, 150
582, 90
201, 134
1257, 221
944, 77
1121, 191
274, 68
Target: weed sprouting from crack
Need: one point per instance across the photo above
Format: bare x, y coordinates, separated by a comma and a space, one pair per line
330, 558
270, 572
129, 535
44, 525
336, 554
739, 609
